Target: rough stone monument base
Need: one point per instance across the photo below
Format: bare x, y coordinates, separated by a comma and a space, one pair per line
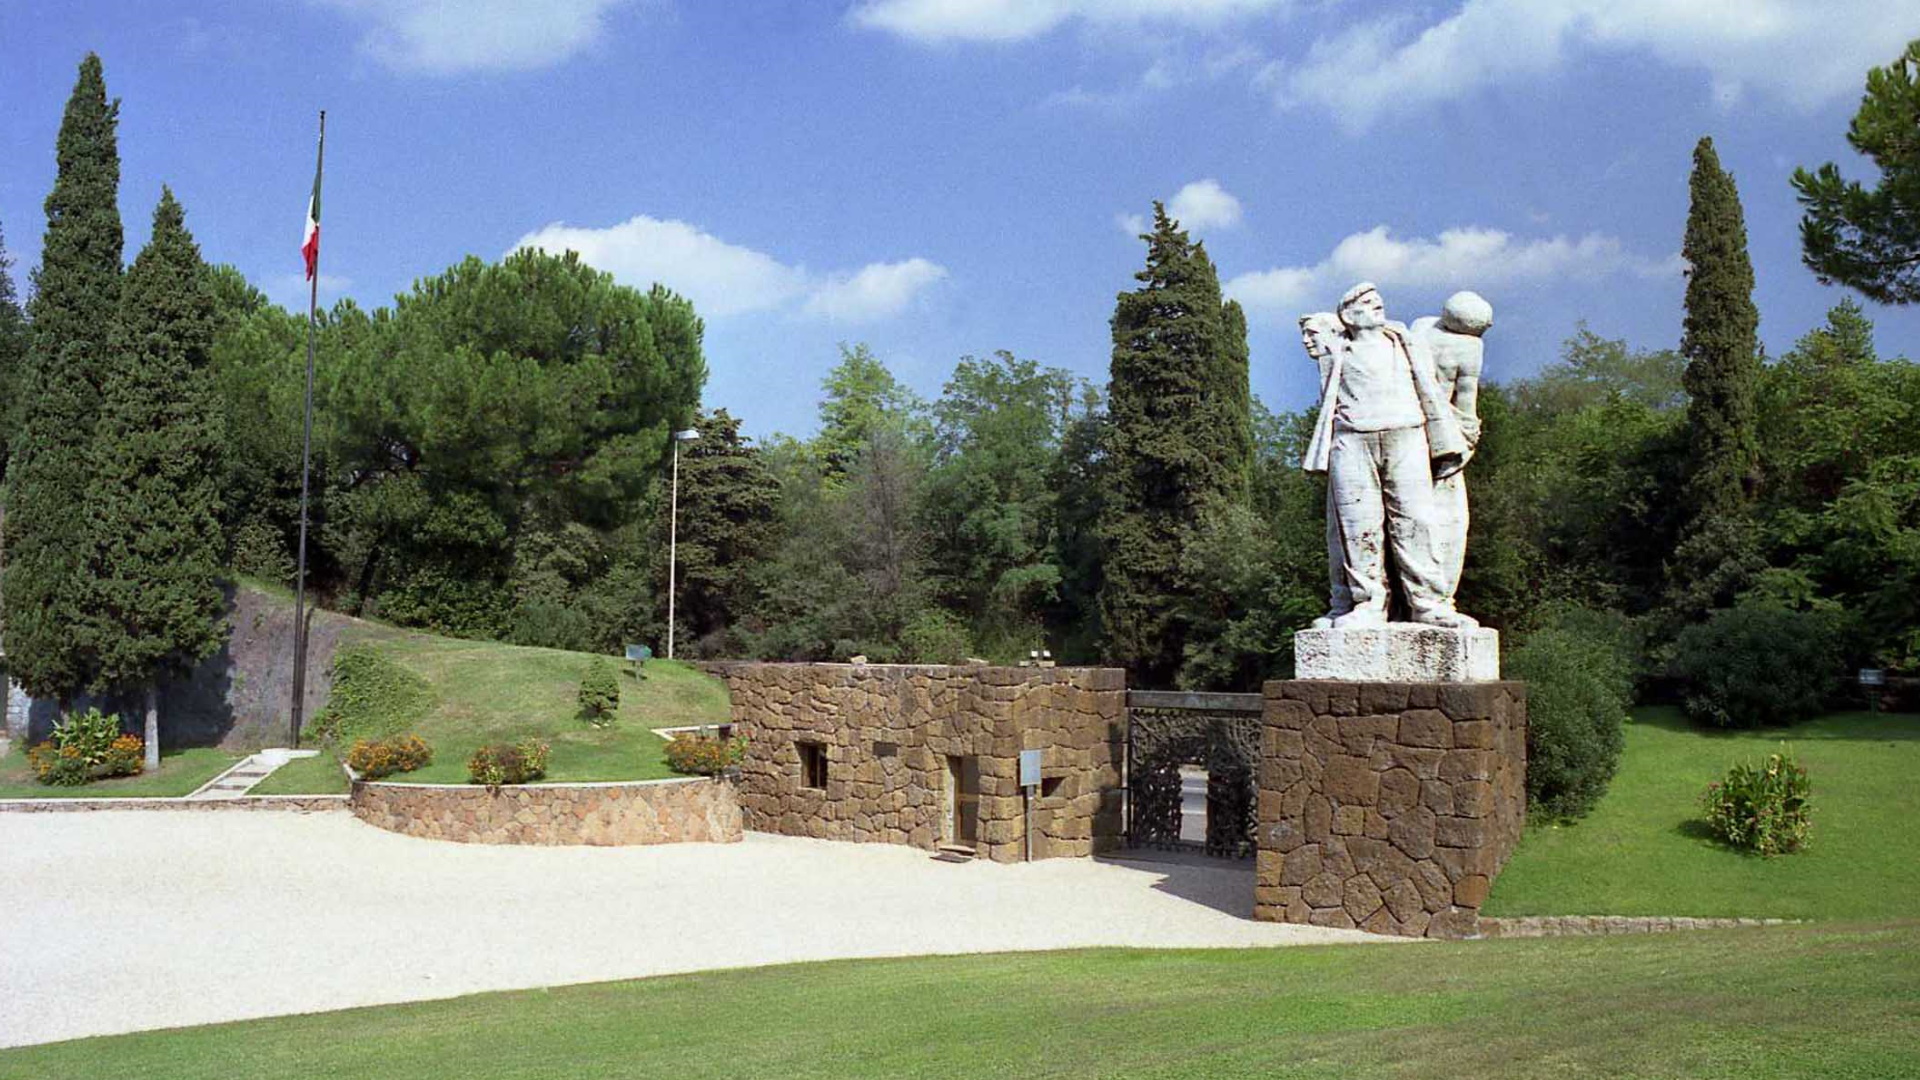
1387, 806
1398, 652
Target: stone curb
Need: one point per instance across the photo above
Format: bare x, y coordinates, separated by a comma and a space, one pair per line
1593, 925
245, 802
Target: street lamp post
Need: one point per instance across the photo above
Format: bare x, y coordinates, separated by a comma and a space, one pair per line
673, 530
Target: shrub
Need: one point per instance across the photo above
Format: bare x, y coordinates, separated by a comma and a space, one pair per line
67, 765
125, 757
376, 758
1755, 665
58, 766
600, 693
373, 697
935, 636
90, 734
1579, 674
1762, 808
699, 755
520, 763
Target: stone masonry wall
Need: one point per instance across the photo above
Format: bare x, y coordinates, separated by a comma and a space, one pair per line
647, 812
1388, 806
888, 730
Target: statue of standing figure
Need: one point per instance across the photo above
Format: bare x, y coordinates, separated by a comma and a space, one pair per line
1453, 337
1387, 433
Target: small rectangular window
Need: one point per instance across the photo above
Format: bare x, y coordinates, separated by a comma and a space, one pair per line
886, 749
1050, 786
813, 764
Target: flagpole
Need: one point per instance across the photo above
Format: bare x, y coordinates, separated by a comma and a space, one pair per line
306, 459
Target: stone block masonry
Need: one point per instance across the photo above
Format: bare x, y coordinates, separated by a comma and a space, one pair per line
1390, 807
926, 755
641, 812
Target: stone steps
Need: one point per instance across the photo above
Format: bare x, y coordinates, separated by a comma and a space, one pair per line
242, 777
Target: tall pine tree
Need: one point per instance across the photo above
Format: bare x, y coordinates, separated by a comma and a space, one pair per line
154, 496
77, 291
1718, 552
1178, 445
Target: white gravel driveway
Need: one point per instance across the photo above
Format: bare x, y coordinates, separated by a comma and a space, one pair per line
123, 920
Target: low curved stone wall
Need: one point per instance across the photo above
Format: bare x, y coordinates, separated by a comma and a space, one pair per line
642, 812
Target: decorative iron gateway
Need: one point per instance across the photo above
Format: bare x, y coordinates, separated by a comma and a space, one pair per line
1167, 729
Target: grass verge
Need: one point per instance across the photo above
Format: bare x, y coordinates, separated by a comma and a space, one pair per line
317, 775
1791, 1001
180, 772
1645, 849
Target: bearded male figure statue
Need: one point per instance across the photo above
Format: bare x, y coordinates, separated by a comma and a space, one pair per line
1385, 431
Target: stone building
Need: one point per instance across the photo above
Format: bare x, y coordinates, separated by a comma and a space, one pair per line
929, 755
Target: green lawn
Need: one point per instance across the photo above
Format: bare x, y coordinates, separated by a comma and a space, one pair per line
1645, 849
1799, 1001
488, 692
317, 775
180, 772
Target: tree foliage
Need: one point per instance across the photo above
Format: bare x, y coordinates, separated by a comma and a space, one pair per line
74, 307
154, 498
13, 358
991, 507
487, 451
1717, 556
728, 516
1177, 447
1869, 238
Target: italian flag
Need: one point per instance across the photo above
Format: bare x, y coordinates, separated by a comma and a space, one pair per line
310, 243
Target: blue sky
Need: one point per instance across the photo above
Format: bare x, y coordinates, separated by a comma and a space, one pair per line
945, 177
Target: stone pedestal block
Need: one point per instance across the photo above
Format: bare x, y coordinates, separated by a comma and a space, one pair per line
1389, 806
1398, 653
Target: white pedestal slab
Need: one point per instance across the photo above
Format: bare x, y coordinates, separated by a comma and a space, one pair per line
1397, 652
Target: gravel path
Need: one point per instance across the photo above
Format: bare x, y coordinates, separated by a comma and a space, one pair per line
122, 921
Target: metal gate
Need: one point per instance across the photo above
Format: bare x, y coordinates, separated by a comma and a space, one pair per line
1170, 728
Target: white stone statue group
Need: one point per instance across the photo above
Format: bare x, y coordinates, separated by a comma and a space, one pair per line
1396, 426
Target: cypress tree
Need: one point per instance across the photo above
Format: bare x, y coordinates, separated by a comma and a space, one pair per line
77, 292
154, 495
1720, 345
13, 358
1178, 444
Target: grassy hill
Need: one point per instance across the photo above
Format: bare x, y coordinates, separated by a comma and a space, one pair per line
459, 695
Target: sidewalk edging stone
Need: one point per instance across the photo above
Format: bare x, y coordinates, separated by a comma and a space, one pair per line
1592, 925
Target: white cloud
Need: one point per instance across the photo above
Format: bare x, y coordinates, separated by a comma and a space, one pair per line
291, 290
1465, 258
876, 291
1803, 52
726, 279
446, 37
1204, 204
1019, 20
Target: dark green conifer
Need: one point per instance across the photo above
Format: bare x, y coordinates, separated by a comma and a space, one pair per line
76, 298
13, 358
1718, 553
154, 497
1178, 444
